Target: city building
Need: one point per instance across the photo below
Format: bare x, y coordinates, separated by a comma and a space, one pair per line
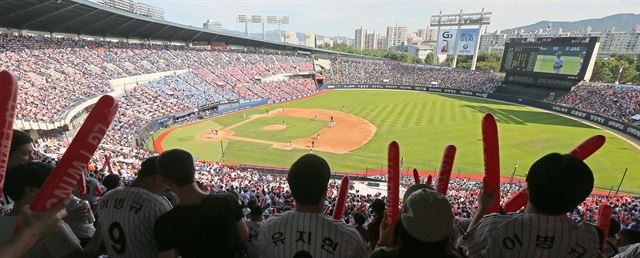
310, 39
360, 38
136, 8
492, 41
325, 42
291, 37
420, 51
382, 42
372, 40
212, 25
429, 34
396, 35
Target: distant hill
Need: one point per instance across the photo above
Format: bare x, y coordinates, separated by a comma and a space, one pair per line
621, 22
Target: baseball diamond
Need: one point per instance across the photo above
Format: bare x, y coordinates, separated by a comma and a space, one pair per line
423, 124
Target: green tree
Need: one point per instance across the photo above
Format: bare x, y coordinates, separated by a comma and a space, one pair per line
602, 71
429, 58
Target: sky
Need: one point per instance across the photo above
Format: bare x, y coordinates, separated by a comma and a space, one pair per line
342, 17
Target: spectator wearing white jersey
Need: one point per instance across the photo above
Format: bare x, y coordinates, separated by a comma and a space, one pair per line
557, 184
306, 231
126, 215
22, 184
201, 225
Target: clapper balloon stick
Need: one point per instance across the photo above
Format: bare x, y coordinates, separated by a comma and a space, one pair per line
8, 98
491, 159
446, 166
393, 184
342, 198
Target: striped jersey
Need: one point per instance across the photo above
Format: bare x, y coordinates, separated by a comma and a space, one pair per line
127, 216
530, 235
296, 234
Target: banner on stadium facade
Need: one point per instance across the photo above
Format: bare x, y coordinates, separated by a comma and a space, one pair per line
467, 41
446, 41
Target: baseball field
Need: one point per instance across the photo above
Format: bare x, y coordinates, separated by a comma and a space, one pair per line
364, 121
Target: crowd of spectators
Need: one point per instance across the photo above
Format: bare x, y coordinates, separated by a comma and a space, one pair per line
270, 195
225, 76
352, 71
620, 102
56, 73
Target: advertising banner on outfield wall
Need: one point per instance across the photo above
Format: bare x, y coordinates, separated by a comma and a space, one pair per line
446, 41
467, 41
622, 127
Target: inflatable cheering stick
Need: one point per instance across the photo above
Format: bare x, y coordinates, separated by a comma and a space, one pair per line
8, 98
342, 198
491, 159
393, 184
71, 166
445, 169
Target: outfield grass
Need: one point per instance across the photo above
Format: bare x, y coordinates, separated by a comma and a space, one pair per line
544, 64
424, 124
296, 128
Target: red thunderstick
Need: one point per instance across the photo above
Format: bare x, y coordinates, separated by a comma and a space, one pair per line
445, 169
588, 147
582, 151
491, 158
393, 184
342, 198
429, 180
83, 185
604, 218
75, 159
8, 98
416, 176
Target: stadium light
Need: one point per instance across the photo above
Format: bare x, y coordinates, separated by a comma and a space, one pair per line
256, 19
272, 19
284, 20
242, 18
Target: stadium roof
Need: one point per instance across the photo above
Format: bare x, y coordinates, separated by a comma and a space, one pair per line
82, 17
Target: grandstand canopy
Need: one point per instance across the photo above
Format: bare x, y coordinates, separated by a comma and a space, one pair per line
82, 17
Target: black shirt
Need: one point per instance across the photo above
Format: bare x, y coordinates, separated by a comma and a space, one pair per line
207, 229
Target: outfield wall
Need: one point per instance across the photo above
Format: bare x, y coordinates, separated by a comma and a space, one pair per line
626, 129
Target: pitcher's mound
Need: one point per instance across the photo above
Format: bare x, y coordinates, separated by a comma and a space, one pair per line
275, 127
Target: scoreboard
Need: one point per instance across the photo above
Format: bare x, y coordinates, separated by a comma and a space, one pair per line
566, 58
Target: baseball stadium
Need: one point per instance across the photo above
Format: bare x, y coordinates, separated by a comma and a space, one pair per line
246, 109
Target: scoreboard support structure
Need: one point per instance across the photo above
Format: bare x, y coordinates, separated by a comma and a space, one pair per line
461, 19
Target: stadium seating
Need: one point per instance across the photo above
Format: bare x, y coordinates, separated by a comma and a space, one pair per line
57, 73
382, 72
619, 102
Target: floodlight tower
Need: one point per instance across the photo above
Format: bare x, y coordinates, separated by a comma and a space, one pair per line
257, 19
282, 20
242, 18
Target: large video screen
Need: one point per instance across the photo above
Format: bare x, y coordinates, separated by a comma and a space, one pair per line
562, 58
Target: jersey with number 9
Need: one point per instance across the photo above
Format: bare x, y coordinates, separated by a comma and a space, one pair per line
126, 216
